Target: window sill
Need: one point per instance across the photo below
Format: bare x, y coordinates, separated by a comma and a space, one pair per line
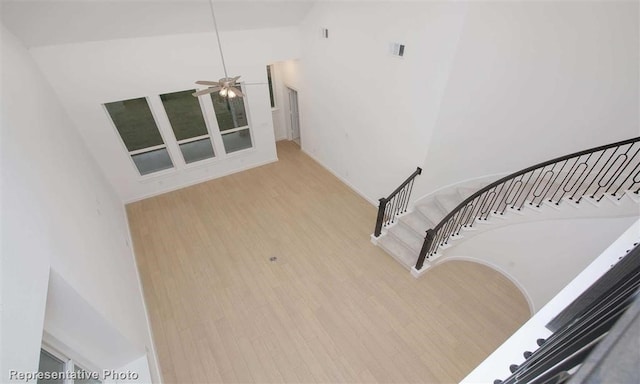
194, 166
158, 175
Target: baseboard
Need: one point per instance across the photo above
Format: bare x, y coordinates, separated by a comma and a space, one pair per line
344, 181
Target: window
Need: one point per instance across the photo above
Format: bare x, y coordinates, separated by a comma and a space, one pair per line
188, 125
232, 122
271, 93
50, 363
59, 366
140, 134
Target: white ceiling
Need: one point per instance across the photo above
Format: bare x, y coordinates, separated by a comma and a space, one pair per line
50, 22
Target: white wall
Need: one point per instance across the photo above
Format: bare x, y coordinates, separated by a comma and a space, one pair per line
542, 257
59, 214
87, 75
484, 87
366, 115
532, 81
279, 123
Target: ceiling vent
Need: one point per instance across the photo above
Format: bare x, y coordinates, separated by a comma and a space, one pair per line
397, 49
325, 33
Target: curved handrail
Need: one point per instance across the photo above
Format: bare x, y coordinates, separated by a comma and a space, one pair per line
509, 190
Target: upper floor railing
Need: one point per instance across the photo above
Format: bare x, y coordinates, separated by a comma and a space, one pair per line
396, 203
609, 169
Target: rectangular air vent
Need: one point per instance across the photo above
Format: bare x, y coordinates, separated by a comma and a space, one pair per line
397, 49
325, 33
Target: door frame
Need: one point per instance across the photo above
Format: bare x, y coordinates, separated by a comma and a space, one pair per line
289, 88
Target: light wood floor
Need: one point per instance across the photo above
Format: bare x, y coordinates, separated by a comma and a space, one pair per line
332, 308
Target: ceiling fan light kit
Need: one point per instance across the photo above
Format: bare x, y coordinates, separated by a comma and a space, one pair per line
227, 86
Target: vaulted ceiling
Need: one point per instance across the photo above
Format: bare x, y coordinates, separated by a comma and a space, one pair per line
51, 22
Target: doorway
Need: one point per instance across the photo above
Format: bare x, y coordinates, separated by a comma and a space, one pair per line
294, 116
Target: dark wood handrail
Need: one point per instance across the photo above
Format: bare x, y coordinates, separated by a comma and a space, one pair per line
527, 170
431, 233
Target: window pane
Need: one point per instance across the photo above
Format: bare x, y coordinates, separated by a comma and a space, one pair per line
196, 150
236, 141
184, 114
135, 123
273, 102
230, 113
152, 161
49, 363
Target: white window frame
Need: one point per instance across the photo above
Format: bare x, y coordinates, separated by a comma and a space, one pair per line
240, 151
214, 119
143, 150
69, 363
186, 165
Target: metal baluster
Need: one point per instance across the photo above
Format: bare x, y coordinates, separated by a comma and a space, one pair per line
478, 214
509, 196
543, 179
400, 201
499, 197
388, 213
491, 198
575, 183
449, 228
589, 173
620, 170
393, 209
551, 181
624, 158
466, 212
566, 179
625, 180
554, 181
472, 215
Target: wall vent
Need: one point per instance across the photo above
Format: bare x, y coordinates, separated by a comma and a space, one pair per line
325, 33
397, 49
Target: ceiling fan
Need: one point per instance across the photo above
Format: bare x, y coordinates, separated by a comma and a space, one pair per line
227, 86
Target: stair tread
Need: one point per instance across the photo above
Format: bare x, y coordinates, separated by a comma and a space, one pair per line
406, 235
418, 222
448, 201
399, 251
432, 211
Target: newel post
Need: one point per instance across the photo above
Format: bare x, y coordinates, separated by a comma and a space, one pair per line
381, 208
428, 240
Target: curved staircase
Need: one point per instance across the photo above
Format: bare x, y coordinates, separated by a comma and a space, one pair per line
404, 237
598, 182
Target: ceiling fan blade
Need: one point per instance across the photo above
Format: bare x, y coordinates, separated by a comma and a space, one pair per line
237, 91
203, 82
205, 91
235, 79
